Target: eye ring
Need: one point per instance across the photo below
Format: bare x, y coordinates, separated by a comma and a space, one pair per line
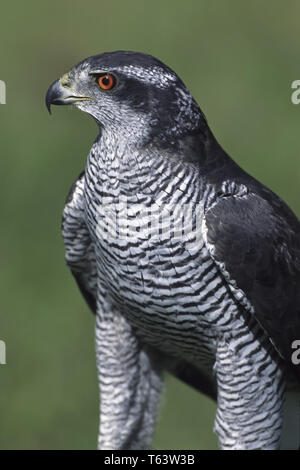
106, 81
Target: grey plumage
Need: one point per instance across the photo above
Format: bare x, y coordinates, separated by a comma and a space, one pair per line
189, 264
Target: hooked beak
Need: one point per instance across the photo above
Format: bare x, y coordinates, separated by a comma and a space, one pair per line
60, 93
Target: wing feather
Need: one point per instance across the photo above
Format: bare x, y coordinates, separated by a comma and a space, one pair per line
255, 241
79, 248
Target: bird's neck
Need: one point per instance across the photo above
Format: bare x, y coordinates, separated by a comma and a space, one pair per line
121, 157
129, 162
123, 167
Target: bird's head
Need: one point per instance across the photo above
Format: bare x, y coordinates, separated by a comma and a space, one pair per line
129, 91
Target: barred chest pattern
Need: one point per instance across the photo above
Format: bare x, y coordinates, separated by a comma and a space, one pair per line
147, 230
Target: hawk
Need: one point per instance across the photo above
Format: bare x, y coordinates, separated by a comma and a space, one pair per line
189, 264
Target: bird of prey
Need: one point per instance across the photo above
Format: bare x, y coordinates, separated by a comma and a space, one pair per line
189, 263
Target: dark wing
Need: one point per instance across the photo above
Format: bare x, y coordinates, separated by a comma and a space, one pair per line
79, 248
255, 241
80, 257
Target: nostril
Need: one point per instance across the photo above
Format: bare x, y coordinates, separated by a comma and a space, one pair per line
65, 81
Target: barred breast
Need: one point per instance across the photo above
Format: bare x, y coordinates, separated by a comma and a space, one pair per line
152, 259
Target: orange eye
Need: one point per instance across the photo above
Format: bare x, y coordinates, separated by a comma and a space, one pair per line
106, 82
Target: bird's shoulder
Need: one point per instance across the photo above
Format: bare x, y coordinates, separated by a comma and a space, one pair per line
244, 216
76, 189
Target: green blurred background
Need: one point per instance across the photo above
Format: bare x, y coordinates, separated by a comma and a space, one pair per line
238, 58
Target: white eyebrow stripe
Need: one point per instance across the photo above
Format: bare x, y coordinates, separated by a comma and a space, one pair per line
94, 72
153, 75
